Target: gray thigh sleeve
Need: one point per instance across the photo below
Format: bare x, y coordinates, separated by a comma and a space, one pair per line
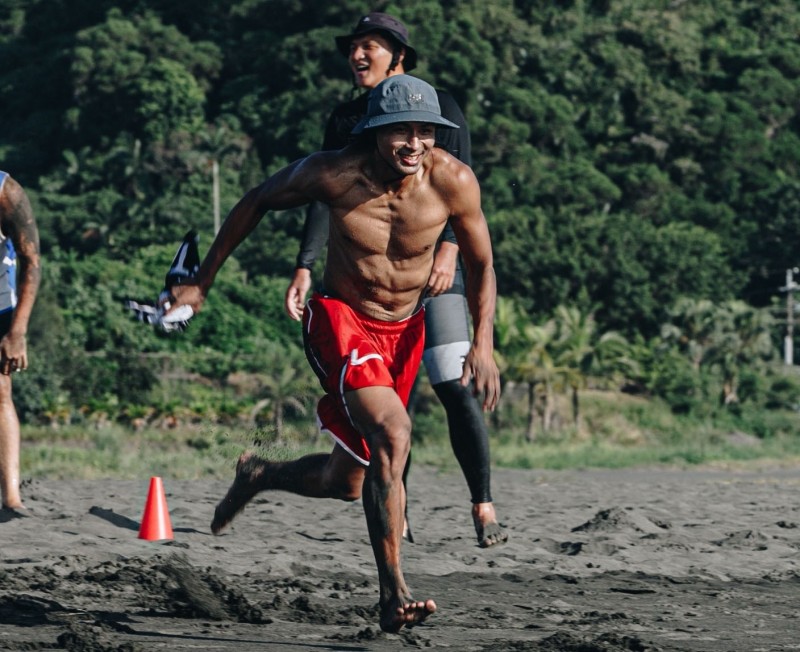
447, 338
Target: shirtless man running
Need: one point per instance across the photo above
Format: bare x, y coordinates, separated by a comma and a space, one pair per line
390, 194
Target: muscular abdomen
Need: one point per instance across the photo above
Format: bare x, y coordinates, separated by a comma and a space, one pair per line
381, 246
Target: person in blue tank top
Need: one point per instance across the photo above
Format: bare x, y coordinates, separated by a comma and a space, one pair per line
20, 274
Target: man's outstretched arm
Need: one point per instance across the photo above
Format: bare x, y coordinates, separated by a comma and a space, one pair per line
294, 185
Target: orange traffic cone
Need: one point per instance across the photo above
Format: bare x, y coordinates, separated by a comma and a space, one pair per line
155, 520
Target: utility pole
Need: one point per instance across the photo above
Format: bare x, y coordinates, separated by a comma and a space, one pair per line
788, 342
215, 193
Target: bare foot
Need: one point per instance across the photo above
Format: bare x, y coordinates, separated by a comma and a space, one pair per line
398, 613
486, 526
249, 470
8, 513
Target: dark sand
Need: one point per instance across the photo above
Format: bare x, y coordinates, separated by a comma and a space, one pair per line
649, 559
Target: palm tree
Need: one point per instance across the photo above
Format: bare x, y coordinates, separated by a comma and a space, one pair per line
525, 355
580, 353
562, 352
538, 369
727, 336
692, 327
287, 383
743, 338
279, 390
574, 349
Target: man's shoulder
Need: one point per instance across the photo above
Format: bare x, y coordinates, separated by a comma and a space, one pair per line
332, 171
333, 158
11, 191
448, 172
442, 157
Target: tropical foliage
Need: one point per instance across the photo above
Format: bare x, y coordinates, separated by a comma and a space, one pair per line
638, 159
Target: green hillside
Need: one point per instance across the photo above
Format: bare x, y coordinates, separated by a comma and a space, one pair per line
639, 163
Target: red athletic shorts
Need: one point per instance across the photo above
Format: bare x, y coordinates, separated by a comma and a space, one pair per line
348, 351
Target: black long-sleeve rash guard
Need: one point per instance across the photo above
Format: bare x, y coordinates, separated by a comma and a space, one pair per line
337, 135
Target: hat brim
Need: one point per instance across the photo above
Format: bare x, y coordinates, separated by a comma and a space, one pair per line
402, 116
409, 61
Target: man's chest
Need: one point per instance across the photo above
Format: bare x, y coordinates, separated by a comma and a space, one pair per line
402, 226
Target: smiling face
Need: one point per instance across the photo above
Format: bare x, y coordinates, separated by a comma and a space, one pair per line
403, 146
370, 58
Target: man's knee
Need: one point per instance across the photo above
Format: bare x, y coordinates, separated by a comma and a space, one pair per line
452, 394
390, 439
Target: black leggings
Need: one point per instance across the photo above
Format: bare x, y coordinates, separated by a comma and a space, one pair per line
447, 341
468, 436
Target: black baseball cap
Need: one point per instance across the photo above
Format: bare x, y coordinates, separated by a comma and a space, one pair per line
380, 22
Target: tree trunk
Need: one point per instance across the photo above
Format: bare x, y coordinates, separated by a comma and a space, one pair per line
260, 405
215, 194
547, 412
576, 410
530, 431
278, 422
729, 394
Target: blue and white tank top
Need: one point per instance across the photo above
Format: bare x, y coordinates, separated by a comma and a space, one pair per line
8, 266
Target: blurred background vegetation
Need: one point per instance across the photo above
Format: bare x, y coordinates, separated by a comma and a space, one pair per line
639, 166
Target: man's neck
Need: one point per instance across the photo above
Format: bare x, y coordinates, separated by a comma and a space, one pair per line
385, 175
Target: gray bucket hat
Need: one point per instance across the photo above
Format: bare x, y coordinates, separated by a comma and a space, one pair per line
380, 22
402, 98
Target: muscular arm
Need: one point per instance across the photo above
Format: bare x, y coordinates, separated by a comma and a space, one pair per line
474, 242
295, 185
18, 224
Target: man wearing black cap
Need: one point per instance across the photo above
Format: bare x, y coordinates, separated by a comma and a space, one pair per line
380, 23
378, 48
390, 194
